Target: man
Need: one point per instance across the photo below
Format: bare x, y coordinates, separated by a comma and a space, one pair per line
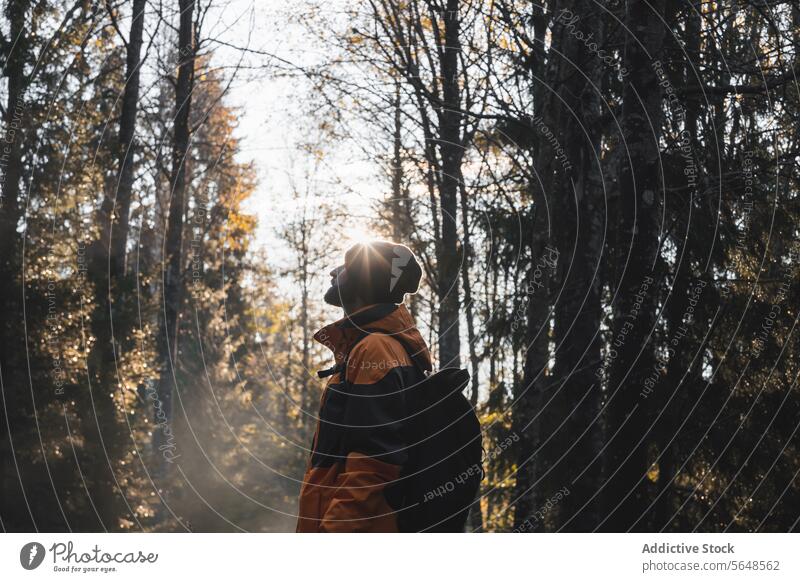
353, 482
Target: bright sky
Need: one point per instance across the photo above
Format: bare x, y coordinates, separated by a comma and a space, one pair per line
274, 120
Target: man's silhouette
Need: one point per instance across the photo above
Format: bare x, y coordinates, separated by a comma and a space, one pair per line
360, 448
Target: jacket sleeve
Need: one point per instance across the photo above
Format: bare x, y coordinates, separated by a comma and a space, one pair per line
373, 441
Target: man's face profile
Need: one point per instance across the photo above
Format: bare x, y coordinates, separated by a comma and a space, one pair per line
339, 291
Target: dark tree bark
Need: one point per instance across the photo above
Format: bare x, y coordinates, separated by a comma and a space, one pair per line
451, 153
433, 29
475, 519
529, 394
163, 439
127, 131
307, 398
576, 331
15, 49
13, 405
625, 489
396, 204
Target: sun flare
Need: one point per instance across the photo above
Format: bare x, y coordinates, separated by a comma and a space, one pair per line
360, 235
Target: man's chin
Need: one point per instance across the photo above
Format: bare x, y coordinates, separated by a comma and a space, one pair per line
333, 296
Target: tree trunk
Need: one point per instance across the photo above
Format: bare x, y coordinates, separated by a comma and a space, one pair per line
579, 228
13, 406
306, 399
163, 439
451, 153
528, 394
475, 520
127, 131
625, 492
396, 204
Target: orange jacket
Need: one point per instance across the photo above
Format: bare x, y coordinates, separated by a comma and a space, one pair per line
359, 449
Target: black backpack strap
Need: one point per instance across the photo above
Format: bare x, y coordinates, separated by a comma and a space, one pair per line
329, 371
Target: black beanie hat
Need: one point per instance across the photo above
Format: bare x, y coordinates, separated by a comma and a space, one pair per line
382, 271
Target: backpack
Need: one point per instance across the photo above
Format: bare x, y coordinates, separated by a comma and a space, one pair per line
440, 482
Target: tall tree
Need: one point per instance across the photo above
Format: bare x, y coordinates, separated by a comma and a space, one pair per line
581, 217
635, 255
421, 43
451, 148
15, 50
173, 257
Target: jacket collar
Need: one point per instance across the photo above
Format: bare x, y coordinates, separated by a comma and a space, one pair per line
389, 318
